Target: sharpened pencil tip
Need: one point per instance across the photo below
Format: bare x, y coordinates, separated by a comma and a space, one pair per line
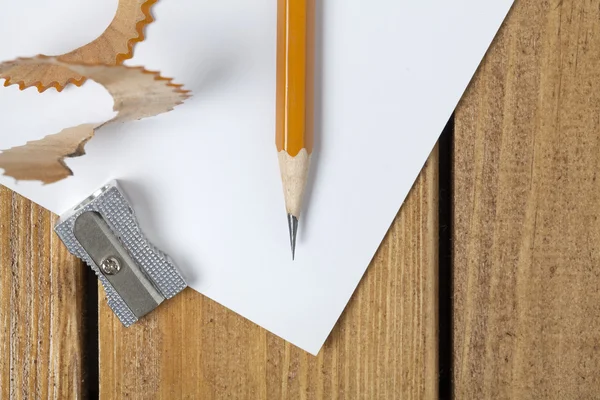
293, 226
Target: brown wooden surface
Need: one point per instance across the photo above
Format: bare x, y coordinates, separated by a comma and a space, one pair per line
40, 307
526, 233
383, 347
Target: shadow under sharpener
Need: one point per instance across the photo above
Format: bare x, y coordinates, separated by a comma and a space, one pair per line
103, 232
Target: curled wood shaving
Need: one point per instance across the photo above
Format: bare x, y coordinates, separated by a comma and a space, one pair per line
44, 159
113, 47
137, 94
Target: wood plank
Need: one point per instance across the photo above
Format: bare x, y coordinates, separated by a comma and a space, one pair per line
41, 301
526, 228
383, 347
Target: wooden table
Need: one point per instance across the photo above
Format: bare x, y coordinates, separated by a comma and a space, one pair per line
486, 287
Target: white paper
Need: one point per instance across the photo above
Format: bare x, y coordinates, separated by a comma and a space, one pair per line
205, 178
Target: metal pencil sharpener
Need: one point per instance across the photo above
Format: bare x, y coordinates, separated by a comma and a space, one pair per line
103, 232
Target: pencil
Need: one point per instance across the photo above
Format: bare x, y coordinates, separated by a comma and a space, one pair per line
295, 103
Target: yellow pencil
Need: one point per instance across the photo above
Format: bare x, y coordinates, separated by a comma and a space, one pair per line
295, 102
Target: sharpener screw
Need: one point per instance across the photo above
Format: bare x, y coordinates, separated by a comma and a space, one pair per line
110, 265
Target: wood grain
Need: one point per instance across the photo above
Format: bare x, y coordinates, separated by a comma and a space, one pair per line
383, 347
526, 229
40, 307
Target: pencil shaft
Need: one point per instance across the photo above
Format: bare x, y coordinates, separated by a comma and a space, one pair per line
295, 76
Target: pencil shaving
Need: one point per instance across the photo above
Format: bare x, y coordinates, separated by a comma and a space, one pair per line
113, 47
137, 94
43, 159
